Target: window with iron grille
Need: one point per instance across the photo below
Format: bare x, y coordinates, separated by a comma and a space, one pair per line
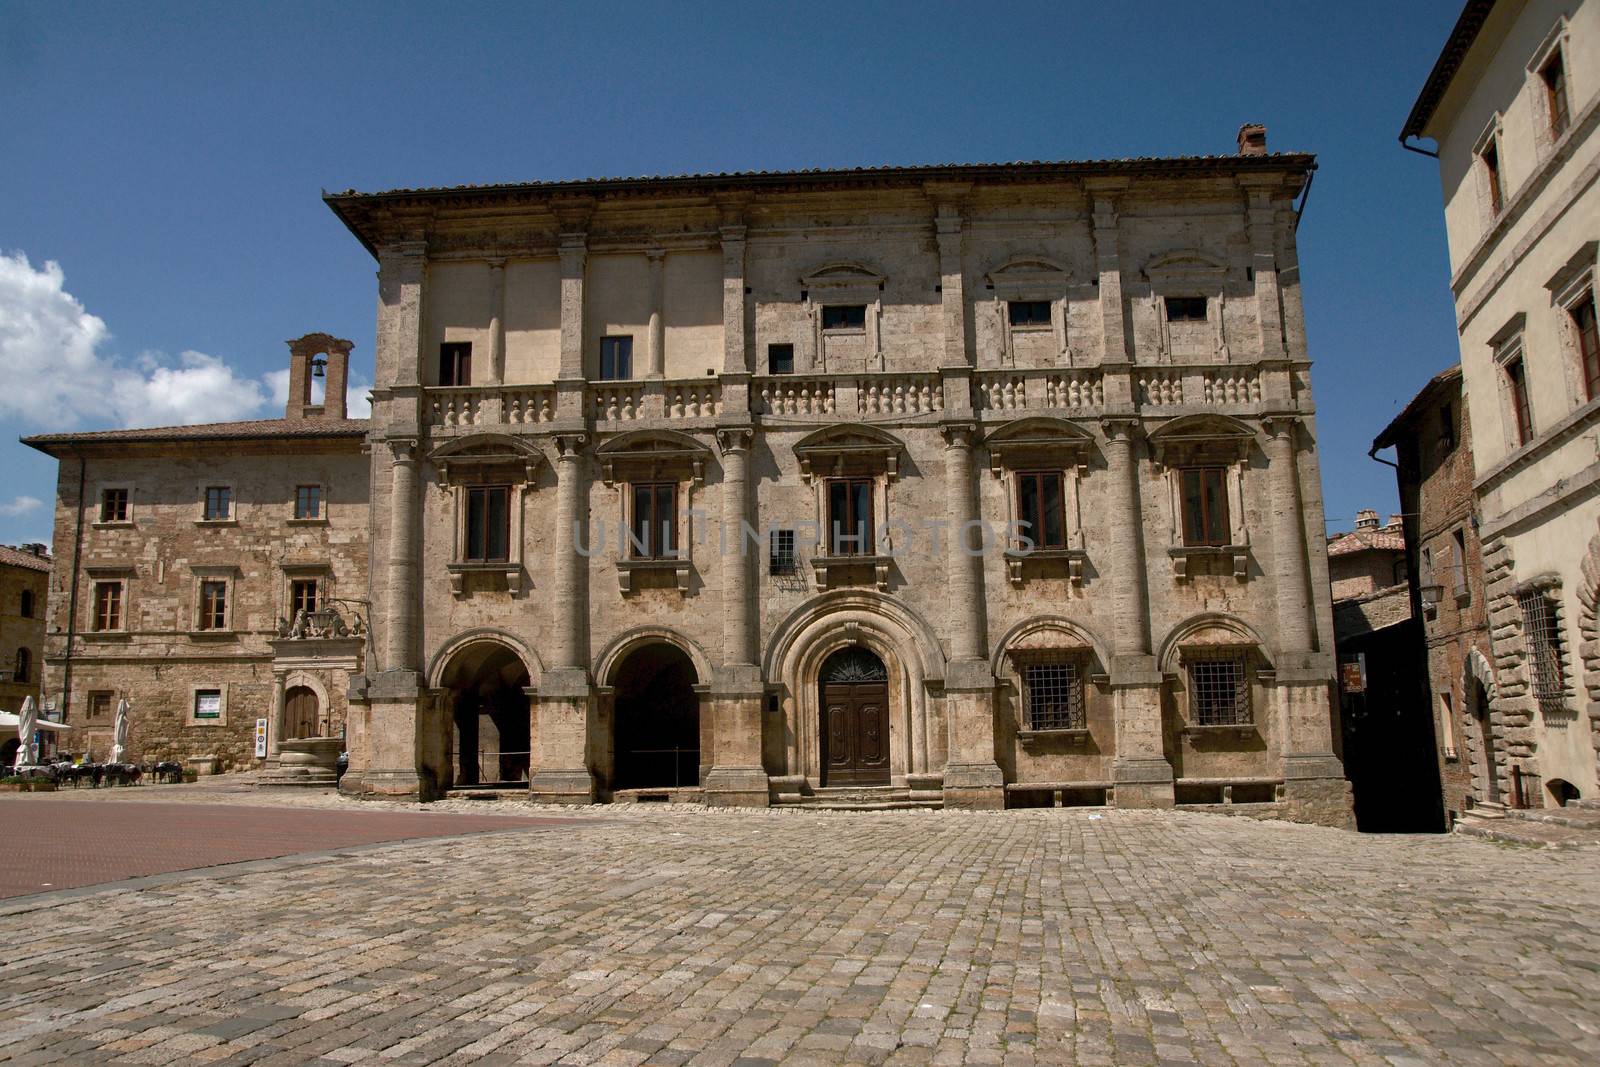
213, 605
1546, 668
780, 554
780, 359
1219, 694
1052, 693
100, 705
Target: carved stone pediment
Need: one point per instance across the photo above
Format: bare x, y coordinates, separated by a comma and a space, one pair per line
1031, 441
1029, 274
1186, 268
479, 456
842, 275
849, 448
652, 454
1201, 438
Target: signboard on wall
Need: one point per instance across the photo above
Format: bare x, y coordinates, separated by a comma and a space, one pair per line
261, 738
1353, 675
208, 704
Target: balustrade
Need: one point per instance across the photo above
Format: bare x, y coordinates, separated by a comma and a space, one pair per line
1040, 389
899, 394
795, 396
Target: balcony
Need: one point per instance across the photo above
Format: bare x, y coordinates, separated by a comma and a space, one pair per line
1040, 390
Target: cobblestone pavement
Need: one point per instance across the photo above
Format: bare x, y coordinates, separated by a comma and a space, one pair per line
664, 937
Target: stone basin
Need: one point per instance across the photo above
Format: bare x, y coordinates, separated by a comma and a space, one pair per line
306, 761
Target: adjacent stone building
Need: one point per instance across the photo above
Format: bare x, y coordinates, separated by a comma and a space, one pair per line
964, 485
185, 556
1432, 439
24, 582
1512, 103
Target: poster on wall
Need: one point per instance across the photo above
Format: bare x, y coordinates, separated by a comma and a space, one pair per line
261, 738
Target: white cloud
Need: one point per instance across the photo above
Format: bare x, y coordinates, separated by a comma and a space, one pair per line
20, 506
56, 375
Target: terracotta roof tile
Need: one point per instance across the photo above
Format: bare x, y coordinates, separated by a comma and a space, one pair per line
15, 557
1380, 540
209, 431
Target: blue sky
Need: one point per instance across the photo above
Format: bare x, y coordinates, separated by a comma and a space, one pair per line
169, 162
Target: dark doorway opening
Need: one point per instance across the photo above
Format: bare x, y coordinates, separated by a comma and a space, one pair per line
489, 715
855, 718
1390, 751
1487, 756
657, 720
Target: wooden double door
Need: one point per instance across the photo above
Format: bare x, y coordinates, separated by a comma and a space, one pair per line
855, 733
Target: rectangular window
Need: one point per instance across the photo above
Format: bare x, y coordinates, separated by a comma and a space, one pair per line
455, 363
1517, 380
844, 317
1583, 322
1546, 661
305, 594
1447, 725
654, 534
488, 523
1053, 695
113, 505
1554, 76
780, 359
1186, 309
780, 552
616, 359
308, 501
107, 606
208, 704
1447, 428
850, 517
1490, 157
100, 705
1028, 312
1458, 564
1205, 506
1039, 509
219, 503
213, 605
1218, 693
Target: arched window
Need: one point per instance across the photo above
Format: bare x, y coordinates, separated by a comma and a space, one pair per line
24, 666
26, 608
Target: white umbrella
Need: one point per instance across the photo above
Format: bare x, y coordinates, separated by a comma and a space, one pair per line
26, 718
119, 731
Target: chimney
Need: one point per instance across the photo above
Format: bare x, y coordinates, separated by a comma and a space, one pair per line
1367, 519
308, 355
35, 548
1252, 139
1394, 523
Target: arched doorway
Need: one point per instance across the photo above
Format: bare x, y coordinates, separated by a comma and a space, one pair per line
300, 712
657, 720
489, 720
855, 718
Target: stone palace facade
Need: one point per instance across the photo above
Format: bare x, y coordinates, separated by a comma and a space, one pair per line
965, 484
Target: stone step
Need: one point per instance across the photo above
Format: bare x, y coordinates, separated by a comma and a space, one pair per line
858, 798
1526, 832
1577, 818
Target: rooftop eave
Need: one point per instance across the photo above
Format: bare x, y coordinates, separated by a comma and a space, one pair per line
1455, 50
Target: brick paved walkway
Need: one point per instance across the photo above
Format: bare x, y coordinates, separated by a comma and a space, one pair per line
60, 843
750, 938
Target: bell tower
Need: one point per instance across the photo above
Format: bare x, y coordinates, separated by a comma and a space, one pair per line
318, 355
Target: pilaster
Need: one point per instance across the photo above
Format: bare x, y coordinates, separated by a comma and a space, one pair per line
1108, 262
400, 625
735, 347
1264, 261
657, 353
495, 372
402, 273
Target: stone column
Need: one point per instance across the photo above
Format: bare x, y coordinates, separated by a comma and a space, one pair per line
276, 734
657, 354
737, 777
1141, 771
495, 372
400, 633
972, 778
564, 712
1315, 789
